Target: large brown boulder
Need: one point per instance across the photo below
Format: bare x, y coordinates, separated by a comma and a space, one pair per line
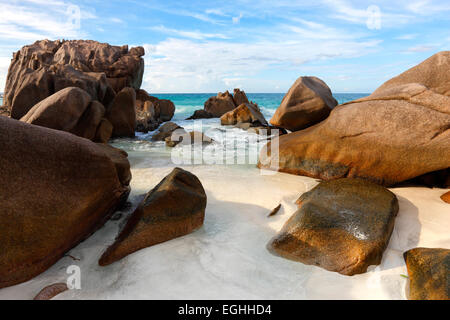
45, 67
174, 208
342, 225
56, 189
245, 113
307, 102
122, 113
429, 273
166, 131
219, 105
71, 110
398, 133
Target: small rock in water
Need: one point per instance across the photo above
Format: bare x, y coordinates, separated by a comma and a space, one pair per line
342, 225
51, 291
275, 210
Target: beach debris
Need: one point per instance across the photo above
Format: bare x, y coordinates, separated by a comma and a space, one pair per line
275, 210
51, 291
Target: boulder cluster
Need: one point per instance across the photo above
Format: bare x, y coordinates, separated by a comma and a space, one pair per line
398, 134
84, 87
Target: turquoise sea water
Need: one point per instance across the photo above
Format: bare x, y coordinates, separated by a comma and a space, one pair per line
187, 103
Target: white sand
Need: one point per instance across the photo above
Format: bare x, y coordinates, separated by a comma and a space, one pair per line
227, 258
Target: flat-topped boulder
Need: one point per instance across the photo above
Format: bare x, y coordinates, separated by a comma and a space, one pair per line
166, 130
398, 133
56, 190
308, 101
174, 208
39, 70
341, 225
429, 273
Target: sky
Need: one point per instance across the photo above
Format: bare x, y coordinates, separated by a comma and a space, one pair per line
259, 46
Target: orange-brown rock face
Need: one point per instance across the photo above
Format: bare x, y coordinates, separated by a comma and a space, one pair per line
307, 102
342, 225
151, 111
175, 207
398, 133
239, 97
55, 190
429, 273
219, 105
45, 67
245, 113
446, 197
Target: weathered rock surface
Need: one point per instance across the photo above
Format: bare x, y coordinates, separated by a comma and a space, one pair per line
220, 104
245, 113
104, 131
217, 106
51, 291
56, 189
39, 70
307, 102
429, 273
398, 133
174, 208
342, 225
60, 111
70, 109
239, 97
122, 113
151, 111
446, 197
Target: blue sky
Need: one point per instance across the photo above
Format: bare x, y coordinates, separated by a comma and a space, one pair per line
260, 46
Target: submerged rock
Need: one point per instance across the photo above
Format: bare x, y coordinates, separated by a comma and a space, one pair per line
166, 131
187, 138
307, 102
39, 70
245, 113
398, 133
201, 114
51, 291
342, 225
174, 208
56, 190
429, 273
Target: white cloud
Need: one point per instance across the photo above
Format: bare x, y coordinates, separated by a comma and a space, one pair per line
420, 48
237, 19
189, 34
407, 37
188, 66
